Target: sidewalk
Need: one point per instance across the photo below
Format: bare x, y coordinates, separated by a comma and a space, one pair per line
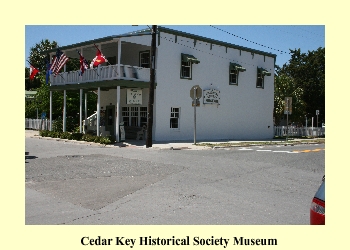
171, 145
189, 145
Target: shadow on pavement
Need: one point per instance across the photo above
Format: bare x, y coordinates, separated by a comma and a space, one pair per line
29, 157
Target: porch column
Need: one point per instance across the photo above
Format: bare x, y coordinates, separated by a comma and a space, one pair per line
85, 107
118, 114
64, 111
98, 111
119, 55
81, 110
50, 111
85, 123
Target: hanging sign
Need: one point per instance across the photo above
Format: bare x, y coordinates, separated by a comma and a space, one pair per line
134, 96
211, 96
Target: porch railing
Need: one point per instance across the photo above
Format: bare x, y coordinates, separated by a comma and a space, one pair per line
90, 123
102, 73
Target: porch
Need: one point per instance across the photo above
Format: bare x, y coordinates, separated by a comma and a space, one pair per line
101, 73
127, 68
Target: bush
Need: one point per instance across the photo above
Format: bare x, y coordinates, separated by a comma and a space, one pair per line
64, 135
88, 138
44, 133
78, 136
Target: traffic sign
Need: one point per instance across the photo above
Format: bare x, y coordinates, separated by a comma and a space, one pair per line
198, 92
288, 106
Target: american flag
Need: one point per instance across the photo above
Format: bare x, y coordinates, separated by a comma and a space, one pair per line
59, 61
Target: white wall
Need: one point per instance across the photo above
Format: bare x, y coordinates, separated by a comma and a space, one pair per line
245, 112
110, 96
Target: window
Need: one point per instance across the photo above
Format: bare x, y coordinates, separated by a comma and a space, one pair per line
233, 77
186, 65
144, 59
175, 118
134, 116
186, 69
234, 72
260, 77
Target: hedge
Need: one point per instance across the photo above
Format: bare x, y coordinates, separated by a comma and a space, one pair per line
78, 136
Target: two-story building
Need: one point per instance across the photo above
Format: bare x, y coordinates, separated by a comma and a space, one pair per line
236, 86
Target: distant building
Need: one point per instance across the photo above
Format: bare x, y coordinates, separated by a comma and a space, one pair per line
30, 96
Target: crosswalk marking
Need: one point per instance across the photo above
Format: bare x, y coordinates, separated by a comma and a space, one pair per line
285, 151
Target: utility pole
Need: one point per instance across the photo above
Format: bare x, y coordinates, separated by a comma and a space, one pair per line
151, 88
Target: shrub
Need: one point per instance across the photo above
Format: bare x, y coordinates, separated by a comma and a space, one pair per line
105, 140
64, 135
88, 138
76, 136
44, 133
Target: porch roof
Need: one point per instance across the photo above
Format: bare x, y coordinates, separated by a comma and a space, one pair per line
99, 40
160, 29
104, 85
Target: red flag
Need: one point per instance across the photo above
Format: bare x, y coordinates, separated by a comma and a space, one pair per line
83, 64
33, 72
100, 58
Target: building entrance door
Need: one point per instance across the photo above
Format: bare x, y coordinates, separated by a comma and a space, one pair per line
110, 119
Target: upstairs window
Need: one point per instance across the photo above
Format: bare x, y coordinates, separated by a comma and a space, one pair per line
260, 77
144, 59
234, 72
186, 65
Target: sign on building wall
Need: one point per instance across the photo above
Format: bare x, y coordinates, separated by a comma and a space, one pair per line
134, 96
211, 96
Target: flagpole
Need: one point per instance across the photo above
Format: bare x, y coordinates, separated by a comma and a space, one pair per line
87, 64
106, 59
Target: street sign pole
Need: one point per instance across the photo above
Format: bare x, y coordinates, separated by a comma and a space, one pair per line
195, 94
195, 104
287, 118
287, 111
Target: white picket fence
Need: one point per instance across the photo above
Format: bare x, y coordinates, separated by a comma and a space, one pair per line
37, 124
299, 131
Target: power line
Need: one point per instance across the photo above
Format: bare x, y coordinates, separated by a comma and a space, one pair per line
281, 51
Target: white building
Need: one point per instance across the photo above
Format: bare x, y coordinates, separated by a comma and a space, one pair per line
237, 86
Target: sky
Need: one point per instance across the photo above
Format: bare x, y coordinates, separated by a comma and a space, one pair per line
275, 39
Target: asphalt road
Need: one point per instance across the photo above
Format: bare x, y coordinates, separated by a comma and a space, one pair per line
71, 183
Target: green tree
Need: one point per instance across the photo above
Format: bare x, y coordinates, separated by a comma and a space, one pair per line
308, 72
42, 98
285, 86
37, 59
